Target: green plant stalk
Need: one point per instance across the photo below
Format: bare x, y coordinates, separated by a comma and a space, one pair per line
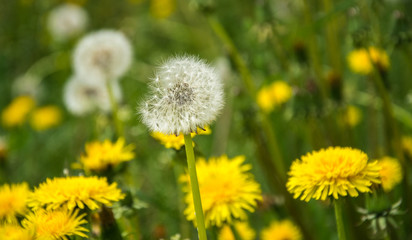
332, 34
190, 155
314, 51
235, 232
339, 220
274, 149
394, 138
118, 124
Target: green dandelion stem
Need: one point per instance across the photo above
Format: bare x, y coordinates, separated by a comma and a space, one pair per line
113, 103
235, 232
190, 155
339, 220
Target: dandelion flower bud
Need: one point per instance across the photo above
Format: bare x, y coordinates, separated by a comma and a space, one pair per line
186, 94
67, 21
105, 52
82, 97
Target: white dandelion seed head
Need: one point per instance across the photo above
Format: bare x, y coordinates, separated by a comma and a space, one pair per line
67, 21
106, 52
82, 97
186, 93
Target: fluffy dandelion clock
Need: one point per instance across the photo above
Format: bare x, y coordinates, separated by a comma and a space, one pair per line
106, 52
82, 97
186, 94
67, 21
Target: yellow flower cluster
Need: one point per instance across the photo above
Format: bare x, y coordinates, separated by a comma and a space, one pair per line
274, 95
15, 114
363, 61
71, 192
13, 201
334, 171
18, 111
227, 190
46, 117
281, 230
176, 142
242, 228
390, 173
100, 156
162, 8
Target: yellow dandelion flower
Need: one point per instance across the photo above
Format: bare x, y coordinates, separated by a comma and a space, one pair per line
46, 117
13, 199
162, 8
55, 224
227, 190
390, 173
332, 172
281, 230
77, 191
407, 145
352, 116
100, 156
16, 112
176, 142
274, 95
243, 229
15, 232
362, 61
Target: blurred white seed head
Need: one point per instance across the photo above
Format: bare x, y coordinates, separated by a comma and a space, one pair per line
67, 21
82, 97
186, 93
105, 52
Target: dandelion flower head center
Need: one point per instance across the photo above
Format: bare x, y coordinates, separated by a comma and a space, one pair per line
180, 94
103, 59
55, 224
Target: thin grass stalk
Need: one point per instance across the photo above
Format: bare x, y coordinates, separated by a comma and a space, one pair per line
118, 124
190, 155
267, 127
339, 220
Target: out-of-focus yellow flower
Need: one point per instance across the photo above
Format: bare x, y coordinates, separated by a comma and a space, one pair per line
281, 230
274, 95
334, 171
15, 232
100, 156
407, 145
46, 117
76, 2
74, 192
176, 142
362, 61
352, 116
162, 8
55, 224
13, 199
390, 173
16, 113
227, 190
242, 228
